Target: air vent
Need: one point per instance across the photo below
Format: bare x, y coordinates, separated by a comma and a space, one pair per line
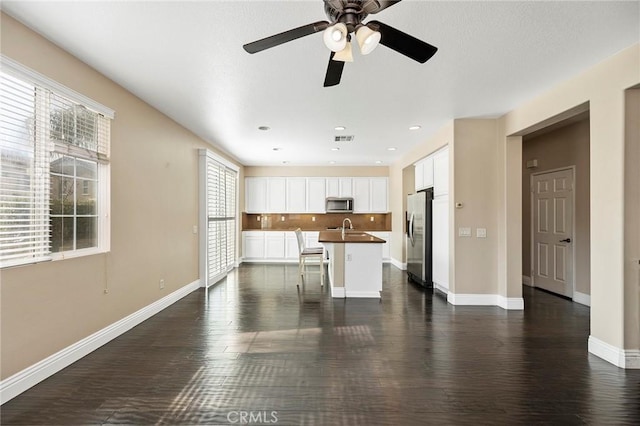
349, 138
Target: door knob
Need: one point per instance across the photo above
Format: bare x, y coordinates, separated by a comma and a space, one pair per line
566, 240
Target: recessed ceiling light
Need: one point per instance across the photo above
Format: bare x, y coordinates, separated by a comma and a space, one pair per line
265, 128
416, 127
340, 128
391, 148
335, 148
378, 162
332, 162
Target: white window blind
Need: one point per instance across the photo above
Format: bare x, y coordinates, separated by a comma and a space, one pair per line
220, 185
24, 173
52, 151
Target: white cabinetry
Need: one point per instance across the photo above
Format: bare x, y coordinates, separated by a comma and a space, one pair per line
386, 247
316, 190
276, 195
253, 245
441, 243
424, 173
308, 194
274, 245
255, 195
296, 201
441, 172
370, 195
340, 187
291, 250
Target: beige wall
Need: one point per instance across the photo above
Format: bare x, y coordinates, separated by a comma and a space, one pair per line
562, 147
154, 205
603, 88
474, 185
632, 220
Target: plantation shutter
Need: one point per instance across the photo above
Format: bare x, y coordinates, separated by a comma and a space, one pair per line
220, 206
24, 173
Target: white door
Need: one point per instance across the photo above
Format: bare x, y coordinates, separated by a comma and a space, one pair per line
552, 223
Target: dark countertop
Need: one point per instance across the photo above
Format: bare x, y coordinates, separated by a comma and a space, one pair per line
351, 236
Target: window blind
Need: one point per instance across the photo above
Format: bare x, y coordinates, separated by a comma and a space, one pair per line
221, 219
24, 173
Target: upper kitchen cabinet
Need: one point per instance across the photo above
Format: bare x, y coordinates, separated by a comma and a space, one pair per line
265, 195
340, 187
255, 195
370, 195
316, 190
424, 174
296, 201
441, 172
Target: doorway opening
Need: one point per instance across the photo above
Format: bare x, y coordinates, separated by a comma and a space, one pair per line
555, 208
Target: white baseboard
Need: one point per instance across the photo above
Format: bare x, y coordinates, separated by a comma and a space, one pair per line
510, 303
629, 358
31, 376
583, 299
526, 281
441, 288
337, 292
367, 294
400, 265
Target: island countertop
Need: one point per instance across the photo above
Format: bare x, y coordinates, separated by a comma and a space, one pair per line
350, 236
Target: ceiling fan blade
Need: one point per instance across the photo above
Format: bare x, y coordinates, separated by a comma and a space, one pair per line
277, 39
403, 43
334, 72
375, 6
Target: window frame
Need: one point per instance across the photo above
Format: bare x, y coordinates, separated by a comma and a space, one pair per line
103, 178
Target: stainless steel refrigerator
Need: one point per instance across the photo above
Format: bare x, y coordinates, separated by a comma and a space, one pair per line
419, 237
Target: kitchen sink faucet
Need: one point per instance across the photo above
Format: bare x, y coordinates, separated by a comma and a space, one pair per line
344, 226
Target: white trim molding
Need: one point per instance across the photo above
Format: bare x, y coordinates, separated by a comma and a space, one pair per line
31, 376
510, 303
526, 281
623, 358
337, 292
582, 298
441, 288
400, 265
364, 294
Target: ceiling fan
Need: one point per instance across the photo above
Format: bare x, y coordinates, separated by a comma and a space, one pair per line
345, 18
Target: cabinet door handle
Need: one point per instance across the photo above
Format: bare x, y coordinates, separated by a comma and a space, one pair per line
566, 240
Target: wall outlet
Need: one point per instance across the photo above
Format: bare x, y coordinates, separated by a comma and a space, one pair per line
313, 218
195, 229
161, 284
258, 218
371, 219
349, 258
282, 218
481, 233
464, 232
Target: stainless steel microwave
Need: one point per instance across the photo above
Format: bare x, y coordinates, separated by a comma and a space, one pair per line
339, 205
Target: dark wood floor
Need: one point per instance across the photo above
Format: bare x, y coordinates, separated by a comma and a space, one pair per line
258, 348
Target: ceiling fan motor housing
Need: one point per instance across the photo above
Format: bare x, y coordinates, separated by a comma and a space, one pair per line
350, 12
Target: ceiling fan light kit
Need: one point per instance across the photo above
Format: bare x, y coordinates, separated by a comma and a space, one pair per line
368, 39
345, 17
335, 37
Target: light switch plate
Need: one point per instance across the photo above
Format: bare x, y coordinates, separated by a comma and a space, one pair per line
464, 232
481, 232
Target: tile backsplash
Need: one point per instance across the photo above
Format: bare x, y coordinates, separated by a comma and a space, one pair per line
315, 222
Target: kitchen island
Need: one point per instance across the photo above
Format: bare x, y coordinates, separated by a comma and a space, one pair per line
355, 263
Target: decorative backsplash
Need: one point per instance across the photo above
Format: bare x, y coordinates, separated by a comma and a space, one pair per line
315, 222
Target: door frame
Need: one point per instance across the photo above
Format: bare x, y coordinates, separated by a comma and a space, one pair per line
573, 224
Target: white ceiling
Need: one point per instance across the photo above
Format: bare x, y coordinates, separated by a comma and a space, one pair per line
186, 59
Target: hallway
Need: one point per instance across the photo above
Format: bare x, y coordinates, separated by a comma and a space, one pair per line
257, 347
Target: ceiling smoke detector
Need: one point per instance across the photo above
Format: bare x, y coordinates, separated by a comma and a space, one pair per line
345, 138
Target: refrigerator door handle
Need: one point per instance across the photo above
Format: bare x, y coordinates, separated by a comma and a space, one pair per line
411, 229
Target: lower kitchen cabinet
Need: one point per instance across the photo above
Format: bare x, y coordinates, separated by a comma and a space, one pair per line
282, 246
